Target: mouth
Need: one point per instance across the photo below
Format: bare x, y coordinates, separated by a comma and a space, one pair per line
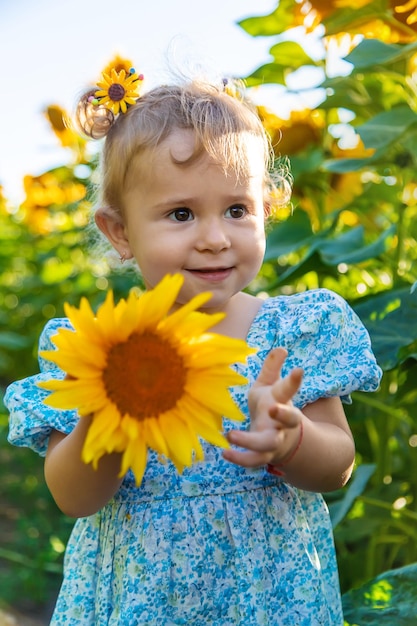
214, 274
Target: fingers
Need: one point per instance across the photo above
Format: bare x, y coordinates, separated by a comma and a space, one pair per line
284, 389
244, 459
258, 449
261, 441
272, 366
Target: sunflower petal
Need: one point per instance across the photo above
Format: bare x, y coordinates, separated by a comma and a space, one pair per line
154, 436
160, 300
179, 444
184, 312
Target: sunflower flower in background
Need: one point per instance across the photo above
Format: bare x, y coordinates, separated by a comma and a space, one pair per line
118, 63
62, 127
149, 378
391, 21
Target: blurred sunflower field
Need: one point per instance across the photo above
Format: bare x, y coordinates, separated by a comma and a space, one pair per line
351, 227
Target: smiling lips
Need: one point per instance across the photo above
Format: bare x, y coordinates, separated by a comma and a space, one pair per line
213, 274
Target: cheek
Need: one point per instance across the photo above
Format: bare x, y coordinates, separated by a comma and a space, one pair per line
261, 237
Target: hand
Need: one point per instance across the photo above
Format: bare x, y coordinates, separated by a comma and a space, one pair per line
275, 423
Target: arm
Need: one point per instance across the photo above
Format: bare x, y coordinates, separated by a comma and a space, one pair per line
77, 488
323, 460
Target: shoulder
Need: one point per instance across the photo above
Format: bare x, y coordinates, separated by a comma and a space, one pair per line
321, 299
323, 335
307, 311
315, 322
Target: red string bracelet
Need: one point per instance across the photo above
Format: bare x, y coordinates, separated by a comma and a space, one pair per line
276, 469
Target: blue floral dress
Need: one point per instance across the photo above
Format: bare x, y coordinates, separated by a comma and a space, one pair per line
219, 545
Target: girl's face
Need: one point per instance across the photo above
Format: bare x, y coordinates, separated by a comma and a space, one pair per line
196, 220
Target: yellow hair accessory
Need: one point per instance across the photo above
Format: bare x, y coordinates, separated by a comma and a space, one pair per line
117, 90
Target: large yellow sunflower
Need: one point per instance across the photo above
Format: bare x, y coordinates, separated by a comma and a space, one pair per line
117, 90
151, 379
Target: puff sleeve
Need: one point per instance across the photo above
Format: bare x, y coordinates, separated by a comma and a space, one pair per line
323, 336
31, 421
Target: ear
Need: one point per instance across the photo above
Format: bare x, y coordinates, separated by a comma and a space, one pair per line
111, 225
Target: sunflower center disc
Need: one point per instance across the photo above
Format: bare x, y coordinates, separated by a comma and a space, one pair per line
144, 376
116, 92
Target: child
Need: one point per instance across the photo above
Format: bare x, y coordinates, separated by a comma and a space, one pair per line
243, 537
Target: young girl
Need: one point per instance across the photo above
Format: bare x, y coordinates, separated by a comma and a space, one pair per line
244, 536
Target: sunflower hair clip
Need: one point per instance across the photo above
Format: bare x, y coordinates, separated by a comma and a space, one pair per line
114, 93
117, 90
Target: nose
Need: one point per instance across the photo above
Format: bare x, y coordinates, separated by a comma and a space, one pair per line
212, 236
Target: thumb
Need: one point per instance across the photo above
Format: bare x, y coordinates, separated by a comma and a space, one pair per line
271, 368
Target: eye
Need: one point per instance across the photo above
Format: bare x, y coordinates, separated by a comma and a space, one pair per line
236, 212
181, 215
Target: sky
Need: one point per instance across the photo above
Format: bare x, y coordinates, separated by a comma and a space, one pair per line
51, 50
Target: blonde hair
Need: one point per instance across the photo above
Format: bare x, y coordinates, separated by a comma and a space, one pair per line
220, 122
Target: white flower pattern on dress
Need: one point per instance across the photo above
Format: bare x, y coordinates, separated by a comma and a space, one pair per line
218, 545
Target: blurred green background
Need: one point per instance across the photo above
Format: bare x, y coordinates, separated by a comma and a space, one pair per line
352, 227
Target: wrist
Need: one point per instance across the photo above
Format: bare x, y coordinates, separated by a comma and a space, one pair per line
278, 468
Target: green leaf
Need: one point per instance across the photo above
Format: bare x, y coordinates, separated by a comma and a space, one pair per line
343, 166
345, 92
372, 52
387, 127
272, 24
291, 55
288, 236
311, 262
12, 341
338, 510
270, 73
410, 143
390, 318
387, 600
307, 162
348, 247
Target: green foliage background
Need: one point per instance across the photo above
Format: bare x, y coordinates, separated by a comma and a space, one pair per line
353, 229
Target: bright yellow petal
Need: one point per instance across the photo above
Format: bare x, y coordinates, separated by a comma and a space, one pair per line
212, 436
84, 365
154, 436
210, 347
134, 457
219, 402
131, 427
200, 411
217, 377
105, 315
138, 463
84, 321
190, 326
106, 421
74, 395
184, 312
179, 441
159, 301
127, 316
